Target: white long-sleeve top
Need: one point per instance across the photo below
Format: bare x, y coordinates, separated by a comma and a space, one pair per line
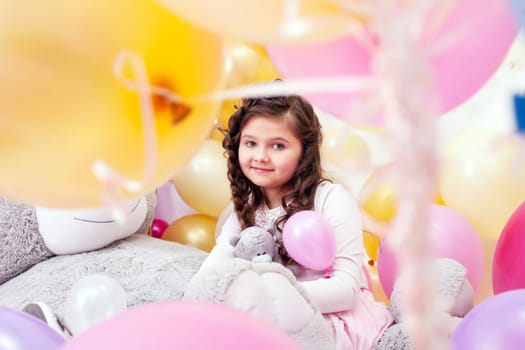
339, 208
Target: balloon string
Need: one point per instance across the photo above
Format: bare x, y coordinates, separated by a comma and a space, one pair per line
405, 82
345, 84
114, 182
296, 26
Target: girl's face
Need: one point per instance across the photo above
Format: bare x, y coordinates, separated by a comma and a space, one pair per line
269, 152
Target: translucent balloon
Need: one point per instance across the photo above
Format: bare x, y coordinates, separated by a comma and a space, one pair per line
203, 182
93, 299
269, 21
69, 97
481, 176
197, 230
310, 240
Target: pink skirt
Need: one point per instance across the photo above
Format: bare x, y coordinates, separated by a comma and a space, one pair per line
359, 328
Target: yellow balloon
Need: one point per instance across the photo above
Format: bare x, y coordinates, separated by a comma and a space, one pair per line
266, 21
379, 195
482, 177
197, 230
63, 108
341, 147
245, 64
371, 243
203, 183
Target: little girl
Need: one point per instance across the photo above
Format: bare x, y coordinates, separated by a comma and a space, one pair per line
274, 169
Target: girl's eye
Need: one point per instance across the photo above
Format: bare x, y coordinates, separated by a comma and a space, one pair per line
278, 146
249, 144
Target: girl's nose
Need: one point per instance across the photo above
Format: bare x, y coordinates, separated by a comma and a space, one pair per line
261, 155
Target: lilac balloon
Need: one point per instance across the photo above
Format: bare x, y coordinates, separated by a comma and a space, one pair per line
170, 205
21, 331
310, 240
518, 9
496, 324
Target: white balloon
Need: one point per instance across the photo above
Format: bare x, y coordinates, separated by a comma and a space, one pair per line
93, 299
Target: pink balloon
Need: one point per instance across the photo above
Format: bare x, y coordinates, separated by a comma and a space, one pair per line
466, 50
451, 236
508, 266
170, 206
310, 240
182, 325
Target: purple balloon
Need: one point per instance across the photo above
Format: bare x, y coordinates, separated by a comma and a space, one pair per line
21, 331
496, 324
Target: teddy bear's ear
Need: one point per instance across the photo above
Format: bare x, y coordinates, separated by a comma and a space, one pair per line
20, 239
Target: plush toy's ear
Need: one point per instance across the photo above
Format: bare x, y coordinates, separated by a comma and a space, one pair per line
235, 240
20, 241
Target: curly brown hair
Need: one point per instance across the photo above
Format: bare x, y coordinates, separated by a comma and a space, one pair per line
246, 195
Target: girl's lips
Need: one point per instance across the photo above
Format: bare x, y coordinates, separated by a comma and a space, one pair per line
261, 170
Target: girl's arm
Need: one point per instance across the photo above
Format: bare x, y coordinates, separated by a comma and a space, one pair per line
339, 292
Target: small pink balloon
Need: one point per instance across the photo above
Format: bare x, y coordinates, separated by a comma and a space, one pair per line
310, 240
158, 226
450, 236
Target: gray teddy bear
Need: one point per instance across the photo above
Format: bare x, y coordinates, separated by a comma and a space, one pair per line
455, 299
255, 244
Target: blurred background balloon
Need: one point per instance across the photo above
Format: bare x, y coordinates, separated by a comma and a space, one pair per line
371, 243
508, 271
497, 323
378, 196
63, 107
93, 299
450, 235
518, 10
170, 206
270, 21
481, 176
450, 39
310, 240
203, 183
245, 64
345, 149
197, 230
21, 331
182, 325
